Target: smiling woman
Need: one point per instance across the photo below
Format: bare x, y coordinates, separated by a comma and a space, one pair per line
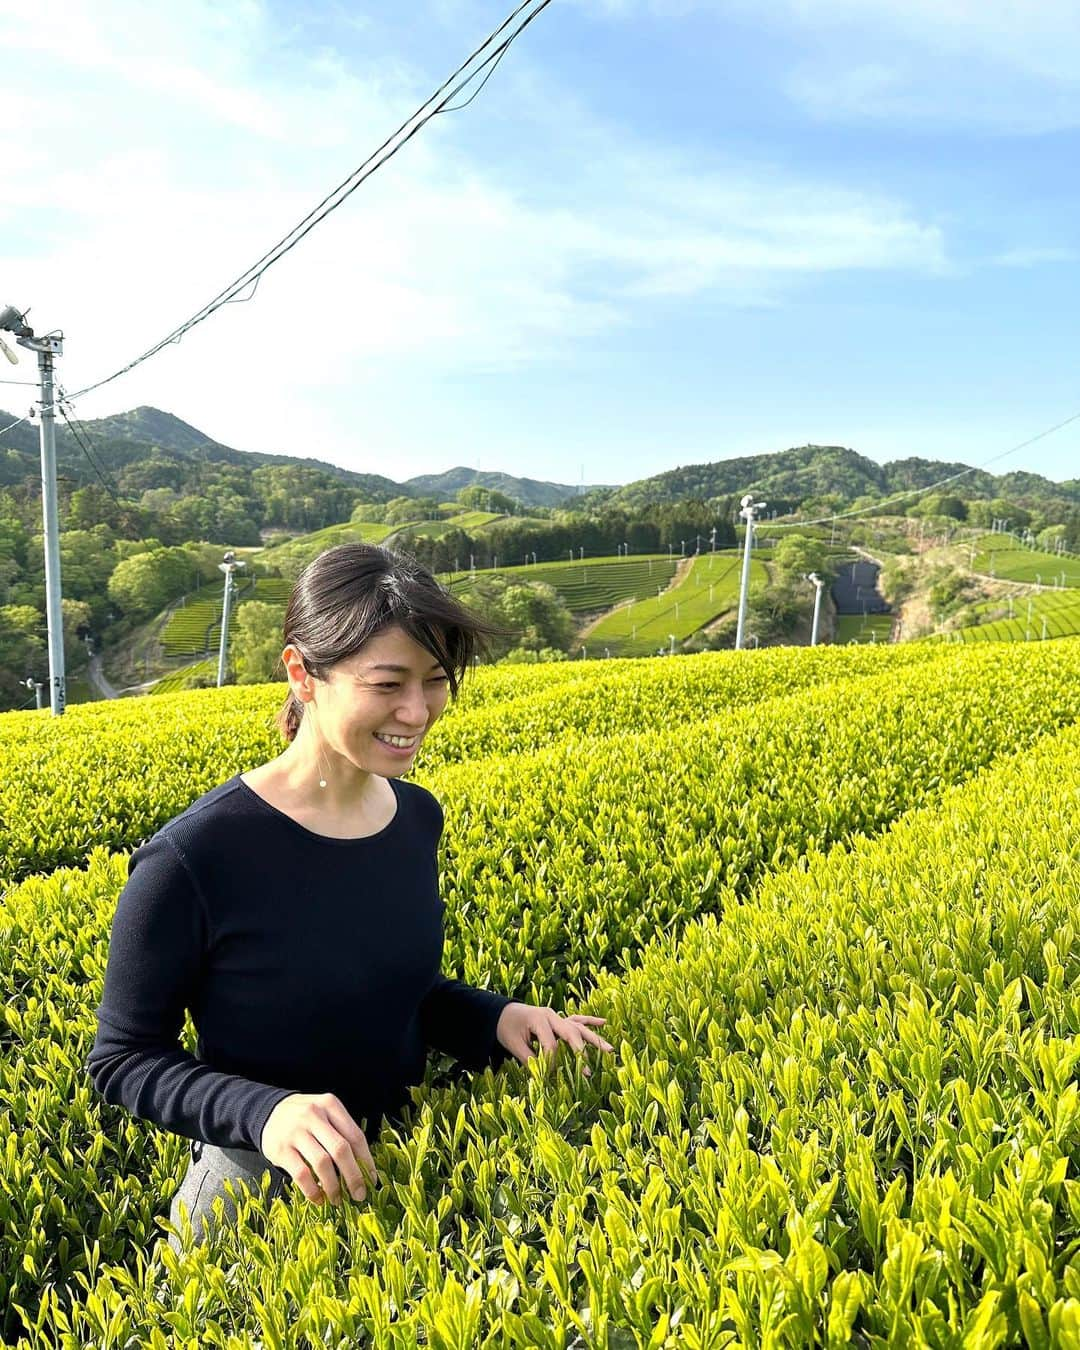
295, 910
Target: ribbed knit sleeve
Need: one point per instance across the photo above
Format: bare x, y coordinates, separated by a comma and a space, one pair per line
160, 937
461, 1020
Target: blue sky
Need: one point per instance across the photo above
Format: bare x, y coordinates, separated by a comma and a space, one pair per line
663, 233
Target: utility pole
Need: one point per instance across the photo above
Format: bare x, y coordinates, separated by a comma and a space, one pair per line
227, 567
819, 586
749, 506
47, 347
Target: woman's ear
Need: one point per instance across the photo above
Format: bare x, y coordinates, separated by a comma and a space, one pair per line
300, 682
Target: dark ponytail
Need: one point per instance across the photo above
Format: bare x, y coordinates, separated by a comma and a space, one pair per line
354, 591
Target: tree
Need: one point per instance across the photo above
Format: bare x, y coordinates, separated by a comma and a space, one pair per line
23, 652
145, 583
78, 620
257, 642
1049, 538
89, 506
532, 611
403, 510
797, 555
478, 498
523, 656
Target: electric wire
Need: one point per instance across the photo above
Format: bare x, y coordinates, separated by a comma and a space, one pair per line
84, 440
85, 448
345, 189
17, 423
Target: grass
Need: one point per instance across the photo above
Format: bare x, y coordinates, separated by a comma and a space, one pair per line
467, 520
709, 588
863, 627
997, 555
584, 586
297, 553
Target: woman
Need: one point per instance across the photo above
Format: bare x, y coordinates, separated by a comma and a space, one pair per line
294, 909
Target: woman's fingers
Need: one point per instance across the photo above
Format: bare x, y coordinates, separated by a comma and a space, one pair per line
302, 1169
358, 1167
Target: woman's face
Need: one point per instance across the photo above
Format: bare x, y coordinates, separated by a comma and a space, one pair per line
391, 688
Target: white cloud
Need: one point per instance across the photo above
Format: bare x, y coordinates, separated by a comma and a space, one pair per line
183, 141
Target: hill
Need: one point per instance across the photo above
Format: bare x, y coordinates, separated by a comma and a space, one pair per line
789, 477
529, 491
148, 434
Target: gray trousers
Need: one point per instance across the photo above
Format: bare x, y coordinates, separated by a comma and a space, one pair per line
204, 1181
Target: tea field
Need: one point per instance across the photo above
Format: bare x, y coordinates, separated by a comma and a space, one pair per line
1025, 617
825, 899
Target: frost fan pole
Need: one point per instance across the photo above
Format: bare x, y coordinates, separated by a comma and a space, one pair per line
819, 586
47, 347
749, 506
227, 567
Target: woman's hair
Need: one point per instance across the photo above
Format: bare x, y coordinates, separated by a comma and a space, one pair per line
350, 593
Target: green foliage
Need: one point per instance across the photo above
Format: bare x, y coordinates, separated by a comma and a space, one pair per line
144, 583
257, 643
477, 498
589, 585
843, 1104
863, 628
23, 652
797, 555
999, 556
950, 589
402, 510
532, 612
524, 656
292, 557
898, 579
940, 505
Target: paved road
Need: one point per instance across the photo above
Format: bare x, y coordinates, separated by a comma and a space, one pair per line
105, 689
98, 680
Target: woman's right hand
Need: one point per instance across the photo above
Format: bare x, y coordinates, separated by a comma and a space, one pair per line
315, 1139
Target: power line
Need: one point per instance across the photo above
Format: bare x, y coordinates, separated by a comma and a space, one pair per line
17, 423
916, 492
85, 448
333, 200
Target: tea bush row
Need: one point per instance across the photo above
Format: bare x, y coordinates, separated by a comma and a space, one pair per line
843, 1110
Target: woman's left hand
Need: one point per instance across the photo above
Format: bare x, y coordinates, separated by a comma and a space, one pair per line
519, 1023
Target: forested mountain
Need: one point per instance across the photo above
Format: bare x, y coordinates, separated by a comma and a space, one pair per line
175, 455
528, 491
790, 477
153, 459
178, 449
146, 520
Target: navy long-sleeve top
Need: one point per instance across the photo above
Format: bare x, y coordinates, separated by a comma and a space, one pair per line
309, 964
